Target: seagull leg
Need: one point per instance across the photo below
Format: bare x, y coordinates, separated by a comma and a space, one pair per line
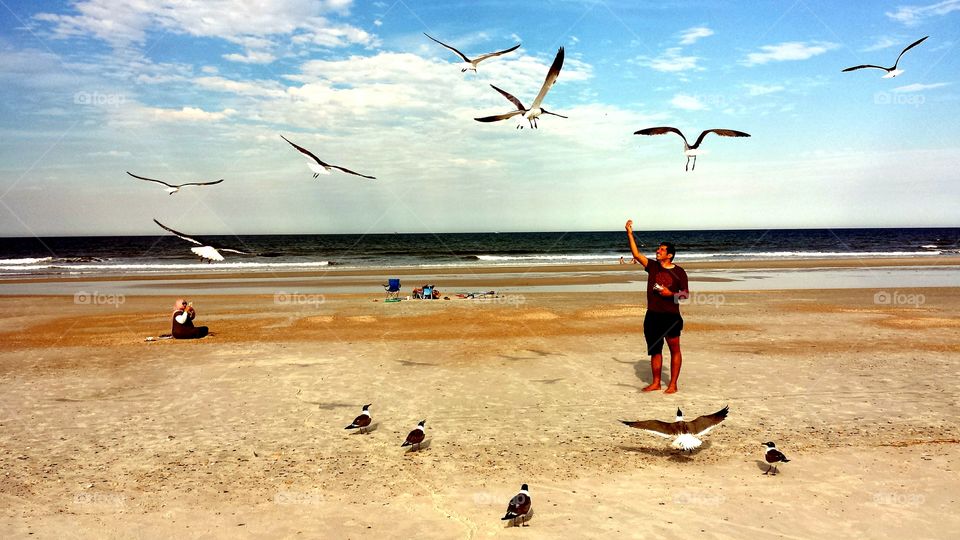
687, 166
694, 163
768, 469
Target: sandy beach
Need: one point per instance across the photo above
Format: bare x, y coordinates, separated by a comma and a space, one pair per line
240, 434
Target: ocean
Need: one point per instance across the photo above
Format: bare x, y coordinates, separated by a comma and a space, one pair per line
167, 254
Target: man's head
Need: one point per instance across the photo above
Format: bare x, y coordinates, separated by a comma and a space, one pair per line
666, 252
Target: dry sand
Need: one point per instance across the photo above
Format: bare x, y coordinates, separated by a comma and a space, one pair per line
241, 434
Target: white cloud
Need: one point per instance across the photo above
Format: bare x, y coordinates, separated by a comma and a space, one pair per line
687, 103
791, 50
187, 114
671, 61
110, 153
251, 57
913, 15
691, 35
243, 88
918, 87
881, 43
761, 89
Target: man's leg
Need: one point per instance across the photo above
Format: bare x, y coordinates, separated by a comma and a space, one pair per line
656, 363
676, 360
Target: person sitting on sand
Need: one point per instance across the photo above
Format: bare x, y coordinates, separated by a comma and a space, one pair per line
183, 327
666, 286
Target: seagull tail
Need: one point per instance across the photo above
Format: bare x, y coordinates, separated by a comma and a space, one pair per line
510, 515
686, 442
352, 426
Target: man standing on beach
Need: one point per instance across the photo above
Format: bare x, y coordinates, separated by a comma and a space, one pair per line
666, 286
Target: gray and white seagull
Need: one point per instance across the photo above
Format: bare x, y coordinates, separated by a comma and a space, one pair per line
891, 71
469, 64
691, 150
319, 167
684, 434
173, 188
205, 251
535, 109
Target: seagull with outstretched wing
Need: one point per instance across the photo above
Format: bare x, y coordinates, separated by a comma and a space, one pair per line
205, 251
535, 109
472, 64
173, 188
891, 71
684, 434
691, 150
319, 167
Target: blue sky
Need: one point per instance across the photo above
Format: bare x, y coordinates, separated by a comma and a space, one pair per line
185, 91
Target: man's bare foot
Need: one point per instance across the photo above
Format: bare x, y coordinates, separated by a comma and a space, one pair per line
651, 387
670, 390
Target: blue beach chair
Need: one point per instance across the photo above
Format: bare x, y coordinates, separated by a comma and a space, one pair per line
392, 288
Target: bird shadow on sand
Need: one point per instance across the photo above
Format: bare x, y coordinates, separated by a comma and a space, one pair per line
411, 363
671, 454
508, 523
367, 430
329, 405
418, 447
763, 466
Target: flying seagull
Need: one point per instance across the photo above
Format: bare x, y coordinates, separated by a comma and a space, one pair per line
361, 421
891, 71
173, 188
472, 64
684, 433
691, 151
205, 251
519, 508
319, 167
535, 109
416, 436
773, 456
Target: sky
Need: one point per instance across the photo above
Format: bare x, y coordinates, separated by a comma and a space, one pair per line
189, 90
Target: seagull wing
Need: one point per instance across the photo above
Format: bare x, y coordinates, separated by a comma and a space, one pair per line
660, 428
551, 78
208, 252
152, 180
866, 66
460, 54
229, 250
202, 183
348, 171
498, 53
660, 131
510, 97
720, 132
518, 506
498, 117
912, 45
179, 234
705, 423
775, 456
304, 151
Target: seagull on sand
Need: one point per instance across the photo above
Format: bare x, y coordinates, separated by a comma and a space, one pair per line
891, 71
173, 188
691, 151
684, 434
205, 251
773, 456
416, 436
519, 510
535, 109
361, 421
319, 167
472, 64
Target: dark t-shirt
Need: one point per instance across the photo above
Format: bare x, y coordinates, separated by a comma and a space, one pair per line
674, 279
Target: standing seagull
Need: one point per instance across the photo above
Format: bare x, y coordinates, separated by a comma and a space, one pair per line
205, 251
361, 421
519, 509
415, 437
686, 433
173, 188
691, 151
319, 167
535, 109
891, 71
773, 456
472, 64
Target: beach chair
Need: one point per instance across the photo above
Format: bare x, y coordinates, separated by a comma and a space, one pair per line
392, 288
428, 292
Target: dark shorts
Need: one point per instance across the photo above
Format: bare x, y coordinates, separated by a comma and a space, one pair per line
656, 326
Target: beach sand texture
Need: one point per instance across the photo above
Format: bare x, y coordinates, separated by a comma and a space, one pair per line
241, 434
